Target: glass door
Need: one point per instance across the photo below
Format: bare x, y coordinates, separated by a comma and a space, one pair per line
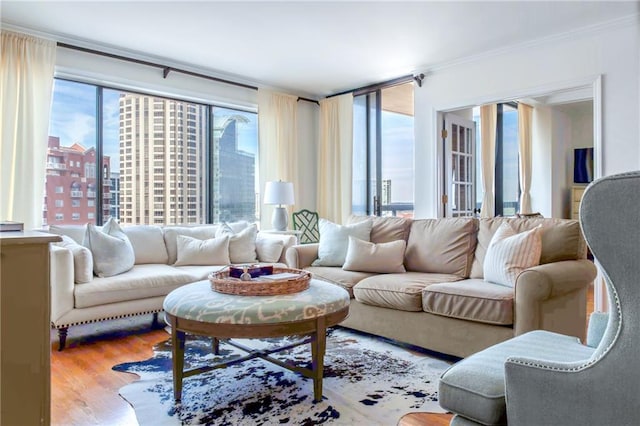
383, 160
459, 194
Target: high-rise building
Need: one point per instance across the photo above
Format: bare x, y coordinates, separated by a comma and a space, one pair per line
234, 189
70, 188
386, 192
114, 210
163, 160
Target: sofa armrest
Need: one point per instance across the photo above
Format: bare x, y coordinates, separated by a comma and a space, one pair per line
61, 281
553, 297
302, 255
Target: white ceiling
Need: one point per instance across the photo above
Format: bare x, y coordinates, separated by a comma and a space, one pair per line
307, 48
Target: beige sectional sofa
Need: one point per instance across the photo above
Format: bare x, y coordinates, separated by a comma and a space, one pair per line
442, 302
78, 296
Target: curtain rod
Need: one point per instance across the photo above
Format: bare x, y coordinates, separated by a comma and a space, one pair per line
166, 69
393, 82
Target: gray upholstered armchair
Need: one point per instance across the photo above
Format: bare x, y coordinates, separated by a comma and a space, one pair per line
543, 378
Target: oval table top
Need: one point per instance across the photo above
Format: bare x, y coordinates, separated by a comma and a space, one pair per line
199, 302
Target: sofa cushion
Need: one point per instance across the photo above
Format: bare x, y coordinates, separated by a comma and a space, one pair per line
148, 243
338, 276
192, 251
561, 239
76, 232
200, 272
509, 254
269, 249
443, 246
140, 282
472, 299
397, 291
204, 232
242, 244
383, 258
334, 241
474, 387
82, 260
111, 249
385, 229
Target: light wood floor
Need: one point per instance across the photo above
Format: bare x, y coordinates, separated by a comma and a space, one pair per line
84, 389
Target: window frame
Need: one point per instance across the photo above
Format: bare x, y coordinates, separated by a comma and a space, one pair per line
209, 143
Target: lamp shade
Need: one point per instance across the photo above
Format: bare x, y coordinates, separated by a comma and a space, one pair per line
278, 193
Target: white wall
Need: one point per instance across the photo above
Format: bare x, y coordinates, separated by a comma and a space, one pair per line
613, 52
541, 153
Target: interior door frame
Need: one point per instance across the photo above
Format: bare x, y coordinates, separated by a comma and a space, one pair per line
591, 86
571, 90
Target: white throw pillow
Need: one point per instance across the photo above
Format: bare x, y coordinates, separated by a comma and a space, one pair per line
242, 244
82, 260
111, 249
509, 254
334, 241
383, 258
269, 249
148, 243
192, 251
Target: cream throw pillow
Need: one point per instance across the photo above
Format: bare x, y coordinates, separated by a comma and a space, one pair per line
192, 251
269, 249
82, 260
242, 244
111, 249
334, 241
509, 254
383, 258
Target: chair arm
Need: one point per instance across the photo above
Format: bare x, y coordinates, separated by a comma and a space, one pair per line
302, 255
542, 392
538, 287
61, 281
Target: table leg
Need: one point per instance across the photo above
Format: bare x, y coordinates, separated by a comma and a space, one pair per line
318, 347
177, 349
215, 345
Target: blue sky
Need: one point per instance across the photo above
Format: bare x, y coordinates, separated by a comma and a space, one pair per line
397, 150
73, 119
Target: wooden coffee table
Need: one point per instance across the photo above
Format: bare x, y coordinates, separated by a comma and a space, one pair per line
197, 309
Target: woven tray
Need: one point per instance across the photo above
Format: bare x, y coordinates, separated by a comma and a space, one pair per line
223, 283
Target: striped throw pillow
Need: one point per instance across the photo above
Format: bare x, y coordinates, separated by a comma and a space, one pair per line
509, 254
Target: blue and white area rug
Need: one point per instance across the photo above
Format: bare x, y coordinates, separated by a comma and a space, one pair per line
367, 380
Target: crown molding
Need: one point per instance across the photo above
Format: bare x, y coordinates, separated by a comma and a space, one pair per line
582, 32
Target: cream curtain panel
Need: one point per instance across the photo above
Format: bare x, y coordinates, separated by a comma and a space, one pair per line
525, 114
334, 159
26, 82
278, 149
488, 114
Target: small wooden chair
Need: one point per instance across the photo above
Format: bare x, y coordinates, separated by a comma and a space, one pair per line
307, 222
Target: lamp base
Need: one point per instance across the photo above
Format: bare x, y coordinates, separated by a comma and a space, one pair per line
280, 220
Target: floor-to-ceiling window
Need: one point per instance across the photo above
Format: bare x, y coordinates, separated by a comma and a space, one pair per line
383, 152
161, 160
507, 180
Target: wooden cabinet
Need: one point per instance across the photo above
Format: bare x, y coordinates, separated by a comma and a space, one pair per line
25, 378
576, 197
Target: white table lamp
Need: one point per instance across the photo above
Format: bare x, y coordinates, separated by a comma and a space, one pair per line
279, 193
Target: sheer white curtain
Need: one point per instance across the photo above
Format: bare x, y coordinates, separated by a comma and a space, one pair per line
278, 148
525, 114
334, 160
26, 83
488, 114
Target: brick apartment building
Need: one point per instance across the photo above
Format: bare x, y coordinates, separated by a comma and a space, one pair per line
71, 185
